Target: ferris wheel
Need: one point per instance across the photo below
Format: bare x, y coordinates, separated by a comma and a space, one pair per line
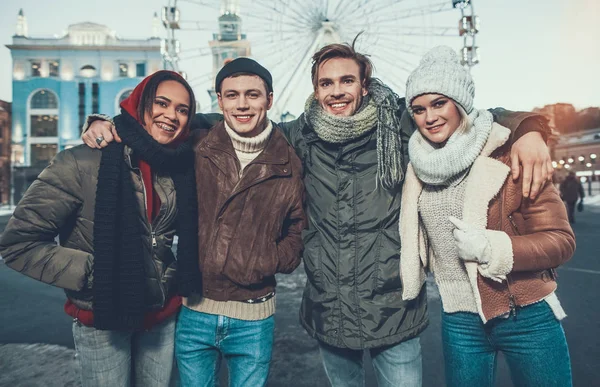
283, 35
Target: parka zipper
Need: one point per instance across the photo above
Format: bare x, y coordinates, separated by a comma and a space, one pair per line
152, 232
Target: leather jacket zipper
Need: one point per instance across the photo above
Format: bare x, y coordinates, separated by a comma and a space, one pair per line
512, 222
512, 303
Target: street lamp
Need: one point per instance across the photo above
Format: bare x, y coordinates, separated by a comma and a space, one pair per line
561, 161
581, 159
571, 159
554, 164
567, 166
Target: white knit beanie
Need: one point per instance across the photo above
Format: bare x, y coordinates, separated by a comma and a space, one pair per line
440, 72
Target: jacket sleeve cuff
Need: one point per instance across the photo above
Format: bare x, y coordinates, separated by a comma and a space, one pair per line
532, 124
95, 117
501, 256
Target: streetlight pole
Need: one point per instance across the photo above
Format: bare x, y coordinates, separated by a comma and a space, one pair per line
11, 199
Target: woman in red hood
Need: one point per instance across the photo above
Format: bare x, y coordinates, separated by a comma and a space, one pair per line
116, 211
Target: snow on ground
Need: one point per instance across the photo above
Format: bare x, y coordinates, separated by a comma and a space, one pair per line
593, 201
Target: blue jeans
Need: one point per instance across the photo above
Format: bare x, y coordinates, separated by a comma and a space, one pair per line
396, 365
201, 339
533, 343
124, 359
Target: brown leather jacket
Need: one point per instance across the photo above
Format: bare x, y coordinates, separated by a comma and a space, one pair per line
249, 226
541, 237
528, 238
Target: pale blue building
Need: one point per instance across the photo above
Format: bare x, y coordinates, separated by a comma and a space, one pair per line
58, 81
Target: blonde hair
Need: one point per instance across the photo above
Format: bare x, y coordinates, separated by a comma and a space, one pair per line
465, 122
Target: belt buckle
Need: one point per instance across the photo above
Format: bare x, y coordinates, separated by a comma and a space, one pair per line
260, 300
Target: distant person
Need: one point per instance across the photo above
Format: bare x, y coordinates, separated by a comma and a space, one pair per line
491, 250
571, 190
116, 211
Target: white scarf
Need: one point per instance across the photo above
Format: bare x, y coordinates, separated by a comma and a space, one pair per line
444, 165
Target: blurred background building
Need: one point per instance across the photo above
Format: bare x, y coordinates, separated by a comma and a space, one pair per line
58, 81
575, 147
5, 129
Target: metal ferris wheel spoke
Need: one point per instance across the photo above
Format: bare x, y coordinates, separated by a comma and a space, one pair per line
207, 3
363, 9
394, 52
305, 62
201, 79
266, 20
422, 31
270, 46
406, 14
301, 17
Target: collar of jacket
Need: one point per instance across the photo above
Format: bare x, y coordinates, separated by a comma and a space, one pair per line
217, 146
485, 180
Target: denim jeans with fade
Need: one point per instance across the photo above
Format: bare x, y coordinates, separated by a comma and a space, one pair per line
395, 365
201, 340
125, 359
532, 341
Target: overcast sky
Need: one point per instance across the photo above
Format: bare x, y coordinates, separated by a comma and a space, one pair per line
533, 52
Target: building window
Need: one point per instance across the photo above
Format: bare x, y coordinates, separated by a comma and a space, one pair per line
123, 69
53, 68
36, 68
140, 70
88, 71
81, 104
42, 139
42, 154
44, 125
44, 99
95, 99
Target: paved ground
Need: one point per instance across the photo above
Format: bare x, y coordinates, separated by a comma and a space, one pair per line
36, 347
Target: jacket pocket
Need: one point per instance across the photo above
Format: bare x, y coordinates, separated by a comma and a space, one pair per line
312, 259
387, 274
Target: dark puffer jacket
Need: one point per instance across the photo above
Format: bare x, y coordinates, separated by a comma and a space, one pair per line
353, 294
61, 202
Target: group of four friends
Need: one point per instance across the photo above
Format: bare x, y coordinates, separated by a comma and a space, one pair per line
368, 203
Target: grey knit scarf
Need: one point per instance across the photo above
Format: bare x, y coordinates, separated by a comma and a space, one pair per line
445, 165
382, 112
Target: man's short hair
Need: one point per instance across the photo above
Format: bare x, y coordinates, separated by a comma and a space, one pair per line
346, 51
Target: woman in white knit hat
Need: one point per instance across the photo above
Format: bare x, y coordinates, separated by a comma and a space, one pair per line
491, 251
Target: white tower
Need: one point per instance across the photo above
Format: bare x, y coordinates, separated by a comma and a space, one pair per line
155, 25
229, 43
21, 24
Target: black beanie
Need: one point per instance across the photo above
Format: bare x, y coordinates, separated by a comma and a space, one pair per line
244, 65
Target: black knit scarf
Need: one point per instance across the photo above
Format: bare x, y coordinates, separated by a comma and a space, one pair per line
119, 278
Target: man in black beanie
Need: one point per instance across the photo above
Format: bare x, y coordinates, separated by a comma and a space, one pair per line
250, 208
